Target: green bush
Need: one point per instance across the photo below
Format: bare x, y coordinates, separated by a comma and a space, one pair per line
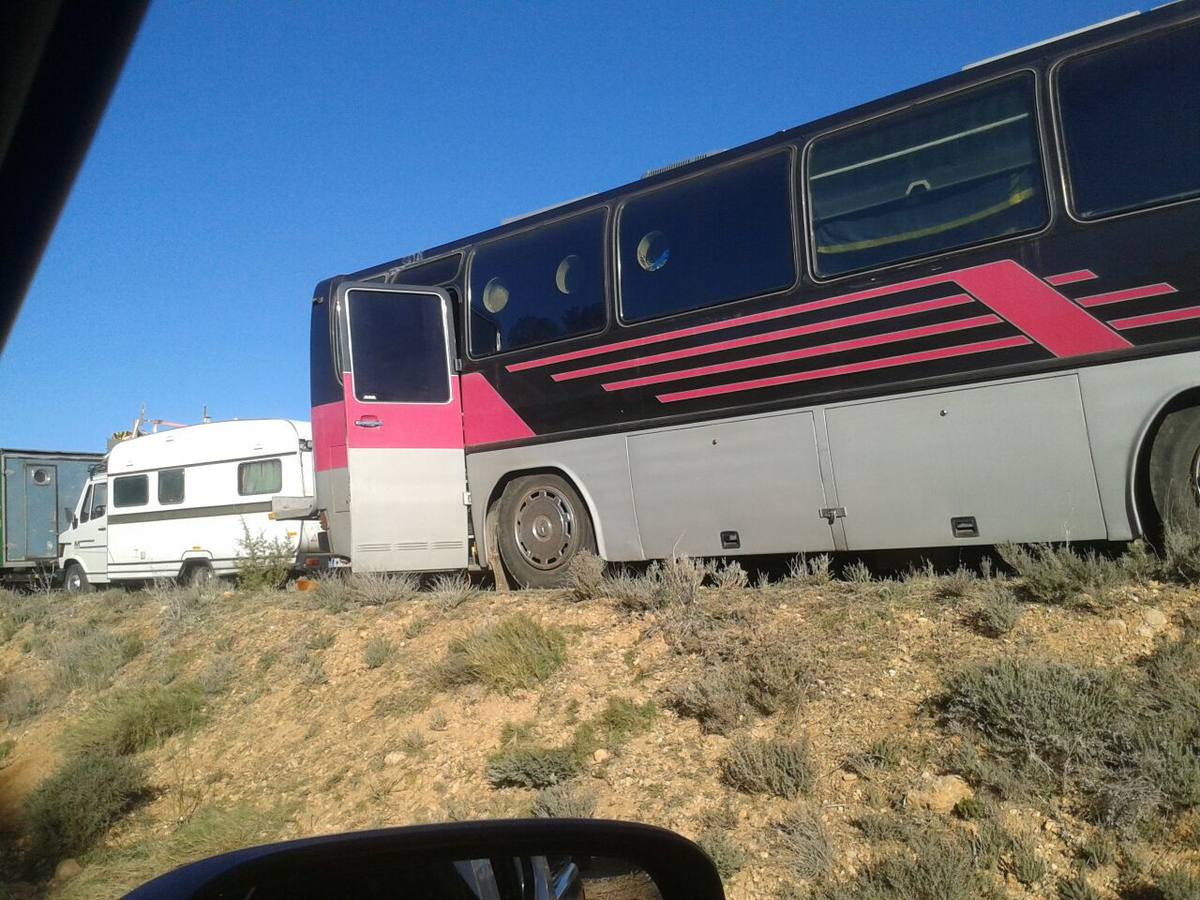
530, 767
73, 808
136, 719
1077, 888
784, 768
726, 855
512, 654
263, 564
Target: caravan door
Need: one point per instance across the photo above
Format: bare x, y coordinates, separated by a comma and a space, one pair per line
404, 434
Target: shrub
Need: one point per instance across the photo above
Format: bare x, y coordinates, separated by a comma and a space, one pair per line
1179, 883
727, 856
670, 583
1077, 888
783, 768
512, 654
450, 591
377, 651
777, 677
1098, 850
806, 846
72, 809
858, 572
263, 564
997, 612
18, 610
320, 640
731, 577
585, 577
136, 719
1061, 577
934, 867
332, 593
91, 661
379, 589
18, 701
218, 675
616, 723
565, 800
1025, 865
1181, 551
813, 572
530, 767
882, 753
716, 699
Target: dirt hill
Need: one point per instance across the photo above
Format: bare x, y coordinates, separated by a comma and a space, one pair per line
926, 736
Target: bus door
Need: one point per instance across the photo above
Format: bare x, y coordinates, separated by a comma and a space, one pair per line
404, 431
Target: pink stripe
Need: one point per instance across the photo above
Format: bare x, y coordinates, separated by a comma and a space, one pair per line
904, 360
1070, 277
782, 334
807, 352
1174, 315
329, 436
1150, 290
487, 417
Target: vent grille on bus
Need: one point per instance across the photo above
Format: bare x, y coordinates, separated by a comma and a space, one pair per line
679, 165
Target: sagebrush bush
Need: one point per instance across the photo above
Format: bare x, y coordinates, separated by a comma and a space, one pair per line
512, 654
263, 563
716, 699
136, 719
379, 588
1061, 577
674, 582
91, 660
332, 593
731, 577
71, 810
620, 720
585, 577
933, 867
1179, 883
1181, 551
18, 610
1076, 888
19, 701
811, 571
998, 610
530, 767
881, 754
781, 767
566, 800
449, 591
377, 651
807, 849
725, 854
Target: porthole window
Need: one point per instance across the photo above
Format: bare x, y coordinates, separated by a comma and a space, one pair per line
566, 277
495, 295
41, 476
653, 252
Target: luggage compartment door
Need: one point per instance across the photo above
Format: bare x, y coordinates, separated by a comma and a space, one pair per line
404, 435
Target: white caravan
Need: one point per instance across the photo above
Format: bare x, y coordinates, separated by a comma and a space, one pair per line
178, 503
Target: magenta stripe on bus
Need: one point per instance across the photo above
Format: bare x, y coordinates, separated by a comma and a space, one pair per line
1070, 277
1172, 315
779, 335
1137, 293
770, 359
850, 368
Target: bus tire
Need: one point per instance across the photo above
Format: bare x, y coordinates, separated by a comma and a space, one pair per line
75, 580
542, 524
1175, 468
198, 574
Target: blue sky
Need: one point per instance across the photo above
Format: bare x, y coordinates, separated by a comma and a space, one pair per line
251, 149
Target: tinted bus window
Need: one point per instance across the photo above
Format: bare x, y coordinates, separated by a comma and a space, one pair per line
946, 174
1131, 123
708, 240
542, 285
433, 273
170, 486
398, 347
131, 490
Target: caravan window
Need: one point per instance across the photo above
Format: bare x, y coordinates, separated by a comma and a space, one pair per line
263, 476
170, 486
131, 490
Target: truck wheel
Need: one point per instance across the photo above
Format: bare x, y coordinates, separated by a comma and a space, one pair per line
1175, 468
75, 580
542, 524
198, 574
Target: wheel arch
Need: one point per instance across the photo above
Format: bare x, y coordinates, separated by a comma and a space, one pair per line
1145, 516
489, 547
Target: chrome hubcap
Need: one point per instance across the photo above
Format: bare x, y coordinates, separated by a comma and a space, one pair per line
544, 528
74, 582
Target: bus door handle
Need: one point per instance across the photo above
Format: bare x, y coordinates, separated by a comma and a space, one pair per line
368, 422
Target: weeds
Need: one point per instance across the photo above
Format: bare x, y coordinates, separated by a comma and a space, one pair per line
379, 589
769, 678
783, 768
377, 652
727, 856
1076, 888
136, 719
585, 577
332, 593
73, 808
530, 767
218, 675
620, 720
671, 583
18, 701
1026, 865
811, 572
92, 660
882, 754
512, 654
263, 564
450, 591
933, 867
1061, 577
566, 800
806, 846
731, 577
997, 612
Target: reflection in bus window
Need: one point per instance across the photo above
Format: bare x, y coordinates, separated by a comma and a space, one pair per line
708, 240
1131, 123
538, 286
946, 174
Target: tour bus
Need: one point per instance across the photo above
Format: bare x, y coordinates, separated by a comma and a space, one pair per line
178, 504
963, 314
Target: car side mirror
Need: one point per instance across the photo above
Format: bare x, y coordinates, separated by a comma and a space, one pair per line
531, 859
74, 520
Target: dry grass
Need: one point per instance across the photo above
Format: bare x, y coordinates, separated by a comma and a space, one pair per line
135, 719
512, 654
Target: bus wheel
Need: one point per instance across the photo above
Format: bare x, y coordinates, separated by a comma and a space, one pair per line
1175, 468
542, 524
198, 574
75, 580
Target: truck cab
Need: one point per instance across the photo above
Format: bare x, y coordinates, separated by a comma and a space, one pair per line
83, 547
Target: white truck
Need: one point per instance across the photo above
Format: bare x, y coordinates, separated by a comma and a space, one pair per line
178, 504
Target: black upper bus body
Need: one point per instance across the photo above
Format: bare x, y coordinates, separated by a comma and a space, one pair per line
1035, 212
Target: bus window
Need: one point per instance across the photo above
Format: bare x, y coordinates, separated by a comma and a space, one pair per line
708, 240
942, 175
538, 286
131, 490
1131, 123
398, 347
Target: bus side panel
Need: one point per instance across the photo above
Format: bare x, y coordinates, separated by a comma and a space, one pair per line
333, 496
599, 467
1014, 457
760, 478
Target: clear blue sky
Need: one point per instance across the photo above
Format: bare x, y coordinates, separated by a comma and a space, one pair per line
251, 149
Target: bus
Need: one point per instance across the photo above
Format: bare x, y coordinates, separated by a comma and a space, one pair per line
964, 314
